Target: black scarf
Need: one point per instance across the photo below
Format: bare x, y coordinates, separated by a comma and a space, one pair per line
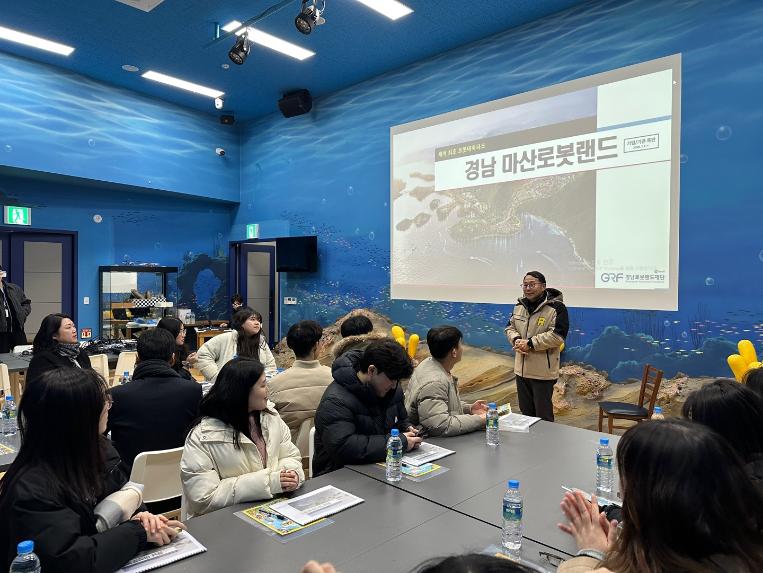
68, 350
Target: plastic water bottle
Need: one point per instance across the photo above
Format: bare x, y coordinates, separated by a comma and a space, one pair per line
491, 425
394, 456
657, 414
26, 560
605, 472
10, 423
511, 536
125, 377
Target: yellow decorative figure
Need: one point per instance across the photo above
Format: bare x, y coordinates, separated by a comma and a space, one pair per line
744, 361
561, 348
401, 341
413, 345
398, 333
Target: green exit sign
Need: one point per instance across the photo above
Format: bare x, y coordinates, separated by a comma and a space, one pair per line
253, 231
18, 215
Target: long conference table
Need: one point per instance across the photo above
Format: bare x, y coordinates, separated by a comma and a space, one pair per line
400, 525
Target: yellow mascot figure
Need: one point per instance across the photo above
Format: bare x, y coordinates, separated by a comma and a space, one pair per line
746, 360
413, 342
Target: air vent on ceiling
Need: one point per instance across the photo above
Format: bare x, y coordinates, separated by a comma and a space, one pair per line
145, 5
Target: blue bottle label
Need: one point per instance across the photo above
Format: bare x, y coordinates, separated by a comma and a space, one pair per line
512, 512
604, 461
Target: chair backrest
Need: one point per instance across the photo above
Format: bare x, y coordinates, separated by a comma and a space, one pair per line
22, 348
303, 436
5, 380
125, 363
100, 363
159, 472
311, 449
650, 386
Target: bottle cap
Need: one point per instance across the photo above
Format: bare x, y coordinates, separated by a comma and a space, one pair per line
657, 410
25, 547
491, 405
513, 484
395, 432
8, 397
604, 441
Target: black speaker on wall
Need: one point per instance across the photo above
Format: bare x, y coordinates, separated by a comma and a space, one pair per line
295, 103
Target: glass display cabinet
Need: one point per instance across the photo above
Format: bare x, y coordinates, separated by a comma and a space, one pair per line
134, 298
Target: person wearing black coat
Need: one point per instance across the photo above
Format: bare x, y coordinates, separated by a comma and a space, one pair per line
361, 406
155, 410
63, 470
15, 307
55, 345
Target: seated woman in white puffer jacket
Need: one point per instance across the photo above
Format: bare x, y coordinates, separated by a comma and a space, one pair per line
241, 449
246, 339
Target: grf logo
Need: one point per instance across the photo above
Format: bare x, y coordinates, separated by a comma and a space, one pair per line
611, 277
542, 321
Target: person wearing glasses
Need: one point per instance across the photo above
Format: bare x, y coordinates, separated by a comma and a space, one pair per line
361, 406
536, 330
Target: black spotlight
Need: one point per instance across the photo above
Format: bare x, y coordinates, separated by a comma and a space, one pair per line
240, 49
309, 17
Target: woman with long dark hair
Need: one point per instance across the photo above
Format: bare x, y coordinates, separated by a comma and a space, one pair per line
246, 340
240, 450
688, 507
177, 329
63, 469
736, 413
56, 345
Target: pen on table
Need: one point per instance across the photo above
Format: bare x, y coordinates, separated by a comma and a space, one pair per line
273, 513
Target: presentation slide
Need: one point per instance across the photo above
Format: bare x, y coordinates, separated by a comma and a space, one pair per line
578, 180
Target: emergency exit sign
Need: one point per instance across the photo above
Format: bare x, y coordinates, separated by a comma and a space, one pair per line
253, 231
17, 215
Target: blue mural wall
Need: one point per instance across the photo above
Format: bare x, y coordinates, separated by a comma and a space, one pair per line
118, 227
328, 173
58, 122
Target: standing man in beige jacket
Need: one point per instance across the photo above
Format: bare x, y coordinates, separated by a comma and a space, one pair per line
536, 330
432, 399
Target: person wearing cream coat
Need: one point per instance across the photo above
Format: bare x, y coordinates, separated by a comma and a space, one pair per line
215, 474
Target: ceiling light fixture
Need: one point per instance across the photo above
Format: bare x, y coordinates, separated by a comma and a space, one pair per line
182, 84
310, 16
392, 9
269, 41
240, 50
34, 41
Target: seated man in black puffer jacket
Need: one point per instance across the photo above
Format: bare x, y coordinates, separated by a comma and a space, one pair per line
361, 406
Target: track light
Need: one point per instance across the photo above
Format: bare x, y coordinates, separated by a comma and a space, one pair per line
310, 16
240, 50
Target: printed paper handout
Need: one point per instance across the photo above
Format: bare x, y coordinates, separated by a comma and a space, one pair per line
316, 504
184, 545
426, 452
516, 422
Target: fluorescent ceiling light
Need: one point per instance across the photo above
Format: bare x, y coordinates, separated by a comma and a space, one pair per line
270, 41
182, 84
34, 41
392, 9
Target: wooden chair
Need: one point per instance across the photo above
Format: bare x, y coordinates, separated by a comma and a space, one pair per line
159, 472
311, 450
650, 385
5, 379
100, 363
125, 363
